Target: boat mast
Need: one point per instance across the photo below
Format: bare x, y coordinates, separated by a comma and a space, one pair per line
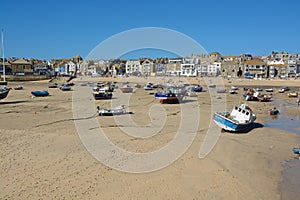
3, 56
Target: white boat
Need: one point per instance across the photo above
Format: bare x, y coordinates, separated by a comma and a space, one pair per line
211, 85
112, 111
239, 119
234, 88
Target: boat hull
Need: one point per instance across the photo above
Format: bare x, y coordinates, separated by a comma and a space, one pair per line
40, 93
3, 94
228, 124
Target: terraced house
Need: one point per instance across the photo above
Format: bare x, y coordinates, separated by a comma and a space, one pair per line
256, 67
22, 66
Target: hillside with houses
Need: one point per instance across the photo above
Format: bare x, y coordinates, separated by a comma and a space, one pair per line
276, 65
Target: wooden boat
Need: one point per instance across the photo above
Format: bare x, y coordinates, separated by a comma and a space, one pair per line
102, 94
240, 118
292, 94
3, 93
40, 93
296, 151
126, 88
112, 111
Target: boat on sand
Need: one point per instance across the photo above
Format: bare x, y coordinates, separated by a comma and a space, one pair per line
240, 118
112, 111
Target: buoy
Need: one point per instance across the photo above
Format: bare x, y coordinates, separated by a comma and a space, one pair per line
34, 113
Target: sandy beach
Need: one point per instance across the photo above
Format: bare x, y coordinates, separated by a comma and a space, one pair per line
42, 156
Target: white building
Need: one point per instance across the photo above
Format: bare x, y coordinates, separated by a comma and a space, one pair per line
70, 67
189, 70
147, 67
132, 67
173, 67
214, 69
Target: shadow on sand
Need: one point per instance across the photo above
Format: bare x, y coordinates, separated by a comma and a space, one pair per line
12, 102
253, 126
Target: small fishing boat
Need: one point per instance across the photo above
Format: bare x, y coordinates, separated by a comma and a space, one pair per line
126, 88
3, 93
256, 96
240, 118
112, 111
273, 111
211, 85
292, 94
221, 90
234, 88
105, 86
83, 84
137, 85
269, 90
40, 93
196, 88
174, 95
19, 87
232, 92
149, 86
191, 94
65, 87
102, 94
296, 150
259, 89
53, 85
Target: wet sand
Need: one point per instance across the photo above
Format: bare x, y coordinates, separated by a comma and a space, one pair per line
42, 155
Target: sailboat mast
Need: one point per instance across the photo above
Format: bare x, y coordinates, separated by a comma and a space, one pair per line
3, 55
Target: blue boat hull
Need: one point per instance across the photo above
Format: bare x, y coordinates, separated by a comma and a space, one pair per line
230, 125
296, 150
40, 93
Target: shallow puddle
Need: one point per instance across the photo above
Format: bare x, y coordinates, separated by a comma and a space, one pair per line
284, 121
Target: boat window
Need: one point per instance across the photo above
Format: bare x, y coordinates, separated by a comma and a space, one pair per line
240, 109
247, 113
236, 108
243, 112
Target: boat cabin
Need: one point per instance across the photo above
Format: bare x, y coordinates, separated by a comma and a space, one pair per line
242, 114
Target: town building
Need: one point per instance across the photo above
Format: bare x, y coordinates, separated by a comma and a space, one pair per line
22, 66
256, 67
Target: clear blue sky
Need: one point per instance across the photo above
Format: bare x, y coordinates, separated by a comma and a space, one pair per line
47, 29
